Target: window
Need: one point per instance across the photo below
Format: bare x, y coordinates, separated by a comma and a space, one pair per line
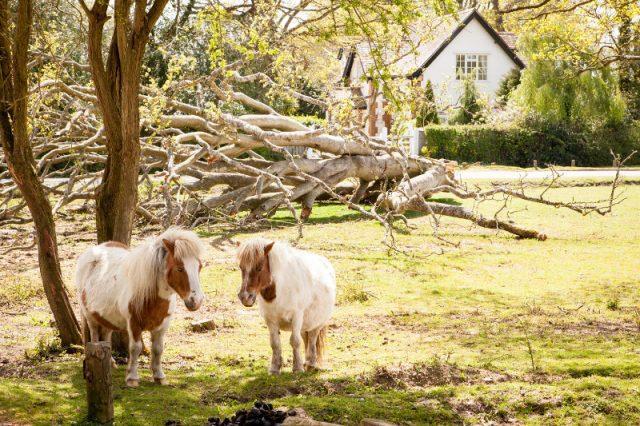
471, 64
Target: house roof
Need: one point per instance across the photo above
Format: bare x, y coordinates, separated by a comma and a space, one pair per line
444, 30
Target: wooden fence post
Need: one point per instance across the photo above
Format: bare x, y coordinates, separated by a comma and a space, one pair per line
97, 373
573, 163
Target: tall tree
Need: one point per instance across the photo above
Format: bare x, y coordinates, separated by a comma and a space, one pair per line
15, 32
629, 66
117, 83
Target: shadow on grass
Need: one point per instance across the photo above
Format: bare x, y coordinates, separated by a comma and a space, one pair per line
323, 213
345, 400
194, 396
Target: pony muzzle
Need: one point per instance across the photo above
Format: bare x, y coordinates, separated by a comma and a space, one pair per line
193, 303
247, 298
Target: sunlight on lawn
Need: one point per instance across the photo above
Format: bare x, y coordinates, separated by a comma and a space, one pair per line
468, 316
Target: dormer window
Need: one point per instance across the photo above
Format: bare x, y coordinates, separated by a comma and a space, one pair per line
471, 64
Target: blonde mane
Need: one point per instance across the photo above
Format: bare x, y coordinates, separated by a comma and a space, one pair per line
145, 265
251, 251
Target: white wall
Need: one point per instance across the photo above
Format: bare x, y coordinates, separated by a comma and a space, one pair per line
475, 40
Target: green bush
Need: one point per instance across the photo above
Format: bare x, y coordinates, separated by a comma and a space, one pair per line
426, 110
507, 85
310, 121
520, 145
470, 110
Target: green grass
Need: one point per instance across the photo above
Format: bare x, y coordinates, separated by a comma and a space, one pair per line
498, 329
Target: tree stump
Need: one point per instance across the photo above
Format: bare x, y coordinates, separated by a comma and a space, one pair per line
97, 373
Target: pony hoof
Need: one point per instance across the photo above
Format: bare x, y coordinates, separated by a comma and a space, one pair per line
160, 381
298, 369
133, 383
274, 372
309, 367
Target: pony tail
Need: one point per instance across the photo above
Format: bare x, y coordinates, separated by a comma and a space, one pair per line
320, 344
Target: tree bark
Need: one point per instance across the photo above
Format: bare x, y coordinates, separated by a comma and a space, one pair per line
22, 166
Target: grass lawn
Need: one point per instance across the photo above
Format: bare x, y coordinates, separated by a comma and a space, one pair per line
497, 330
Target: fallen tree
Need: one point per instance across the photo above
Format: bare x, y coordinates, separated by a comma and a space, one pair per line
207, 167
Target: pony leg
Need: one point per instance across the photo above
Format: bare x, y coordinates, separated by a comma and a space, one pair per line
94, 330
296, 340
157, 346
106, 336
276, 348
135, 349
311, 362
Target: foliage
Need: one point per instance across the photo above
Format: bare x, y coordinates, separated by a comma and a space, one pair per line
310, 120
507, 85
47, 346
354, 292
535, 139
426, 111
560, 92
470, 110
557, 94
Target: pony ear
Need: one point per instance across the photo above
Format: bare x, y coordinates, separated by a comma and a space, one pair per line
169, 245
268, 247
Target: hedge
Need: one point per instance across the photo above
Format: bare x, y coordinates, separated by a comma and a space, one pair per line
519, 146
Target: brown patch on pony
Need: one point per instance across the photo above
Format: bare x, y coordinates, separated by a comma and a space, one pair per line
150, 317
269, 293
177, 276
104, 322
258, 270
96, 316
116, 244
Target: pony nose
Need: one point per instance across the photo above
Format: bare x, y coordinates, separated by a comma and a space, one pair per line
247, 298
192, 304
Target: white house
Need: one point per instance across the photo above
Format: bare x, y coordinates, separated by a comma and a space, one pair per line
464, 44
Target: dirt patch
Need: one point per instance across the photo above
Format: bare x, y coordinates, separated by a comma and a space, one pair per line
481, 411
430, 374
224, 394
594, 326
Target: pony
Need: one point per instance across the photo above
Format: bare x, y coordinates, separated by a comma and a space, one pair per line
295, 290
135, 290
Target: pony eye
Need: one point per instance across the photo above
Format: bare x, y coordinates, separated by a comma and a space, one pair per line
180, 269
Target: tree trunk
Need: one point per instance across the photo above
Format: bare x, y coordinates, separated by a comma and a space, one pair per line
117, 88
19, 156
499, 23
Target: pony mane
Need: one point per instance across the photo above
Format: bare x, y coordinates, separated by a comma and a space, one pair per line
187, 243
146, 263
252, 250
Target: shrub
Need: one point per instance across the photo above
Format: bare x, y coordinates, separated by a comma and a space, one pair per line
311, 121
534, 140
354, 292
470, 110
427, 113
47, 346
507, 85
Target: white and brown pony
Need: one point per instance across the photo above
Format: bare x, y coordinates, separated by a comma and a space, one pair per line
135, 290
296, 290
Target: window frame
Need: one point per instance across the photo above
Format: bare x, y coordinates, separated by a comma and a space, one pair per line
478, 63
